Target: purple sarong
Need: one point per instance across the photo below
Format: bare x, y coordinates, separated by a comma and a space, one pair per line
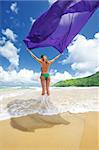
60, 24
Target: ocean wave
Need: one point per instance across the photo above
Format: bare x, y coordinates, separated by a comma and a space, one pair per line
3, 96
45, 106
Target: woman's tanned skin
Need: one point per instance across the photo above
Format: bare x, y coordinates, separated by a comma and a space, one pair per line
45, 64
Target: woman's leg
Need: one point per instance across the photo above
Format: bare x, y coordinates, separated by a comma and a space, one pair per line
43, 84
47, 86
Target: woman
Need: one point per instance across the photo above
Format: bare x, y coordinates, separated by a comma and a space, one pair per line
45, 77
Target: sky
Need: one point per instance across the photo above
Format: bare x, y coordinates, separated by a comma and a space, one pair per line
17, 67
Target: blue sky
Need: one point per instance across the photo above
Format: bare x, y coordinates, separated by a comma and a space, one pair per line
18, 19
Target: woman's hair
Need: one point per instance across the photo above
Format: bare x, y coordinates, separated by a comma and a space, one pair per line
43, 59
42, 56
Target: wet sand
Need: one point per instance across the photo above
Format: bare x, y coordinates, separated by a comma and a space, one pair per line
58, 132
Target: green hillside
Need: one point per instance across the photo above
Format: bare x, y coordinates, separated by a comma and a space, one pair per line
92, 80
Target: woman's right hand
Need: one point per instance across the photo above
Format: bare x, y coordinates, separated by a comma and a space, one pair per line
27, 49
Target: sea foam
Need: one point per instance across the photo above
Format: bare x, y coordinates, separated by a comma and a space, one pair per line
46, 105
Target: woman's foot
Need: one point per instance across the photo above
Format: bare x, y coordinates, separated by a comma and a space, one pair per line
48, 93
43, 93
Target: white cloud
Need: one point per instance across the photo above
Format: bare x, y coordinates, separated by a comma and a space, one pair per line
10, 52
53, 71
97, 35
14, 7
28, 77
24, 76
9, 34
81, 75
57, 76
32, 20
8, 49
84, 55
51, 1
2, 40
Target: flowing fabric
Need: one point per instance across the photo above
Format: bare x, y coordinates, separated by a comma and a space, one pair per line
60, 24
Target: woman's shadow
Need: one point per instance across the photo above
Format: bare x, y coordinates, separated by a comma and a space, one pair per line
26, 117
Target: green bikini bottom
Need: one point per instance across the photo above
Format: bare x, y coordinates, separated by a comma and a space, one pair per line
45, 75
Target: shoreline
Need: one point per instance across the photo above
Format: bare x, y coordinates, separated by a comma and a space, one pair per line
29, 101
7, 116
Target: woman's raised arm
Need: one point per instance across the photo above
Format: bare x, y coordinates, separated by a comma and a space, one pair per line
37, 59
51, 61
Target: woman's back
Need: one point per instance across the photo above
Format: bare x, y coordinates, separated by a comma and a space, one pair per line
44, 66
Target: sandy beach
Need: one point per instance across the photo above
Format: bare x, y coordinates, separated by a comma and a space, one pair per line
62, 131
